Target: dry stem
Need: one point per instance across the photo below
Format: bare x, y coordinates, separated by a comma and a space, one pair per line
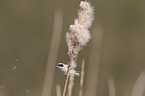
73, 54
64, 91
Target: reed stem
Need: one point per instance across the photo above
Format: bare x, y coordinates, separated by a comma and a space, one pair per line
66, 81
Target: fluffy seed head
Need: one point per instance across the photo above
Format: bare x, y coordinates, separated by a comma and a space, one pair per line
79, 33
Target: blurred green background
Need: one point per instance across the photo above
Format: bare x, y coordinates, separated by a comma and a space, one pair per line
26, 28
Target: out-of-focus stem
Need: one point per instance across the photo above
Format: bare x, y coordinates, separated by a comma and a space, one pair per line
70, 85
82, 78
111, 87
58, 90
53, 51
139, 87
94, 61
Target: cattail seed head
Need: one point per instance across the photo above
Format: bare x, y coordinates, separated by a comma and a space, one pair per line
80, 35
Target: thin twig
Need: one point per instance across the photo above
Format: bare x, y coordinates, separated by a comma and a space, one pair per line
64, 91
65, 85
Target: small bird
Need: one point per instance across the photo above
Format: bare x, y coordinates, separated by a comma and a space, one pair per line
64, 69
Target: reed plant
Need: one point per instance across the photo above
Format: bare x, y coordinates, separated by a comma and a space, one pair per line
78, 37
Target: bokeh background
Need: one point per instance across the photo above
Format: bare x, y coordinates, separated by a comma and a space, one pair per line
114, 57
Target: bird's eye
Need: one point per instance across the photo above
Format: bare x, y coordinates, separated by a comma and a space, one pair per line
60, 65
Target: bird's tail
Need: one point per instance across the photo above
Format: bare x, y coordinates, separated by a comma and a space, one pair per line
77, 73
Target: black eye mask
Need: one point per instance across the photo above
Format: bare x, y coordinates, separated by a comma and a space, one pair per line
60, 65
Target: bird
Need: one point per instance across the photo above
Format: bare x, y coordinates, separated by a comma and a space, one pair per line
64, 69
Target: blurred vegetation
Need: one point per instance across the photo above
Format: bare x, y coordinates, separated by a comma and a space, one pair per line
26, 28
